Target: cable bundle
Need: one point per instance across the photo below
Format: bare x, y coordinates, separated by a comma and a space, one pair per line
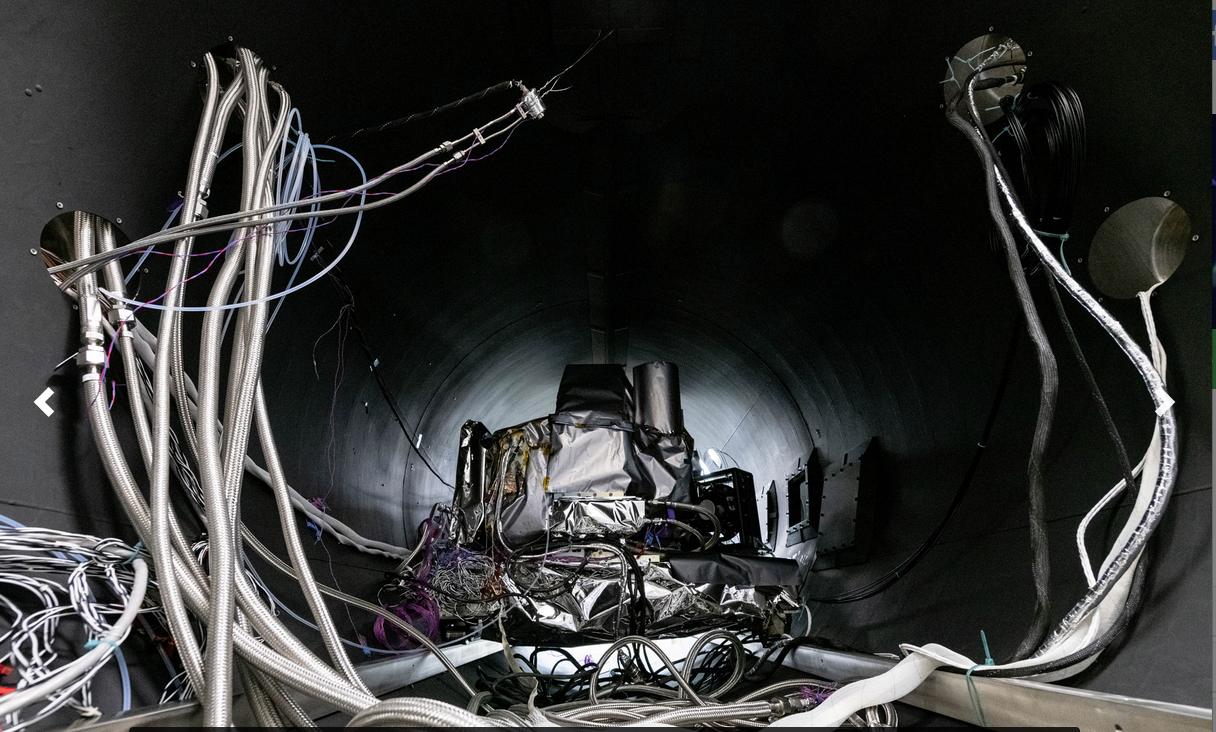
31, 561
243, 634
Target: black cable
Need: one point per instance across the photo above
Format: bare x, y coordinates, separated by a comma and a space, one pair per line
1047, 125
373, 364
501, 86
543, 90
1135, 597
1095, 391
1051, 148
1049, 377
893, 576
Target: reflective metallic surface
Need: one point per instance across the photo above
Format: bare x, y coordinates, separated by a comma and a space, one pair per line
983, 52
592, 516
1139, 246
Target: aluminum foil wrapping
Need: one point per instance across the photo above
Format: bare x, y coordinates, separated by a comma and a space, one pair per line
591, 605
593, 457
468, 503
595, 605
665, 462
517, 486
597, 516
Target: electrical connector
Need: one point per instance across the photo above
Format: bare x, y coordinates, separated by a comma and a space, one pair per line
531, 105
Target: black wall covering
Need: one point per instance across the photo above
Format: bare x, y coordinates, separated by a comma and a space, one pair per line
766, 194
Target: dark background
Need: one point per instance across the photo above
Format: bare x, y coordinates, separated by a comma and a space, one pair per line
768, 195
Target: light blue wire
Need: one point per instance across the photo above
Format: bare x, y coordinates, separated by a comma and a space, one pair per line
140, 262
123, 671
1063, 238
284, 293
300, 255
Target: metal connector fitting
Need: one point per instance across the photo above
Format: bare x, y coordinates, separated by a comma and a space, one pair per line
531, 105
120, 315
90, 355
785, 705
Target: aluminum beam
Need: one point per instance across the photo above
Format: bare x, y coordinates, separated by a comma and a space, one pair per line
1013, 702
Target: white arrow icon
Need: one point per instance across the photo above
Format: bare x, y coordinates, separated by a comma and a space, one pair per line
40, 402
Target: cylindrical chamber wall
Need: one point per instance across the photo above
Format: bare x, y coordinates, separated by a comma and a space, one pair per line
745, 194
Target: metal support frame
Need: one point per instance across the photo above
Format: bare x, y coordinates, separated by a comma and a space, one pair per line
1013, 702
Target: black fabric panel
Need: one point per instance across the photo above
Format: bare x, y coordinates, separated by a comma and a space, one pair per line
599, 391
716, 568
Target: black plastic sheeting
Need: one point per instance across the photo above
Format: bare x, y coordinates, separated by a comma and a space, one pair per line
716, 568
783, 211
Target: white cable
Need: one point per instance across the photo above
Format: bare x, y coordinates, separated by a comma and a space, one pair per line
895, 683
1158, 353
95, 657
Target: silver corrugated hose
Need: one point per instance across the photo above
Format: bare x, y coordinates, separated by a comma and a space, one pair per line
126, 347
263, 710
162, 552
288, 708
217, 707
183, 387
418, 713
718, 713
295, 549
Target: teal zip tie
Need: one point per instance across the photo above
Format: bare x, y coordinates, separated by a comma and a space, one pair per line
974, 696
96, 641
972, 693
1063, 238
139, 547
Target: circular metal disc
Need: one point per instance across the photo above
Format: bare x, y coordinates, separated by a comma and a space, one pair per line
989, 49
58, 241
1139, 246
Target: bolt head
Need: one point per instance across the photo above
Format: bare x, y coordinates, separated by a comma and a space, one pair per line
29, 92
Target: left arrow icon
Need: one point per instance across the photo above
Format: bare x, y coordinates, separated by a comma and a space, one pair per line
40, 402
